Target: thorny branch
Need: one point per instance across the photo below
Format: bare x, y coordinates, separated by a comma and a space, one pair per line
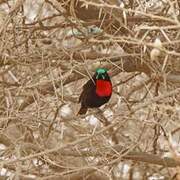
48, 49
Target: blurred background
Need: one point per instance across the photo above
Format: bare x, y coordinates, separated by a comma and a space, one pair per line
49, 49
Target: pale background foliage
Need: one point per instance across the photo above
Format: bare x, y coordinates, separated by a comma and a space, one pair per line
49, 49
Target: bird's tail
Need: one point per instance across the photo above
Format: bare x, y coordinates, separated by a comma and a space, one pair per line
83, 110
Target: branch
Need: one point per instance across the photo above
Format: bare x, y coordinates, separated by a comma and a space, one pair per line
116, 151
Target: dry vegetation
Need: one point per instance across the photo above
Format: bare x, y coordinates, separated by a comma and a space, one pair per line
49, 49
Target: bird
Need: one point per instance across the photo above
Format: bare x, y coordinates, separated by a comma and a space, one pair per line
96, 92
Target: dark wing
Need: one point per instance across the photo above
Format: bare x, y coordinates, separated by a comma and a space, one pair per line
86, 88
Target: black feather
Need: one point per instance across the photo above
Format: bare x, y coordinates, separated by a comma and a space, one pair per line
89, 98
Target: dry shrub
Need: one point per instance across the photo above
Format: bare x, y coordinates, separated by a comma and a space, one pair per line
49, 48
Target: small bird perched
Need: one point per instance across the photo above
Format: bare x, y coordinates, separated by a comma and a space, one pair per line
96, 92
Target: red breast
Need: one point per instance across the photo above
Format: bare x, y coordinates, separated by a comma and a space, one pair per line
103, 88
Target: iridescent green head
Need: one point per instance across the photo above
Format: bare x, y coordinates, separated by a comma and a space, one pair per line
101, 73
